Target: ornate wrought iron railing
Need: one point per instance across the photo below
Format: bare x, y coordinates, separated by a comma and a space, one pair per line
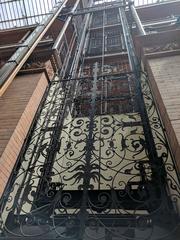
85, 173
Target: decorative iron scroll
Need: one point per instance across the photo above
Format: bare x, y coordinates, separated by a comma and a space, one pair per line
84, 171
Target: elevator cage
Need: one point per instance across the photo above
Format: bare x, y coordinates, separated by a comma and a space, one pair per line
96, 163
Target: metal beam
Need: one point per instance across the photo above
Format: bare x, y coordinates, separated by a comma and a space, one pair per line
136, 18
65, 26
80, 46
95, 9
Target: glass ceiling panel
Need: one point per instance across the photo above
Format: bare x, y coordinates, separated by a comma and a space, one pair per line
19, 13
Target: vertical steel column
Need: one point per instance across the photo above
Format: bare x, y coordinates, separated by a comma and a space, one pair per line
103, 84
136, 18
65, 26
62, 33
103, 41
150, 145
80, 46
133, 62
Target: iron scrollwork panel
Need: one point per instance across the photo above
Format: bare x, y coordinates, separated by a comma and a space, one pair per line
85, 172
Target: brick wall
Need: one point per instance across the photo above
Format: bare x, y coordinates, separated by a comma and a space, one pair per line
165, 79
17, 108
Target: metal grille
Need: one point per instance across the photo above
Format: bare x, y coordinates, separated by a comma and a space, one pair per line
19, 13
107, 41
111, 18
86, 174
114, 95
